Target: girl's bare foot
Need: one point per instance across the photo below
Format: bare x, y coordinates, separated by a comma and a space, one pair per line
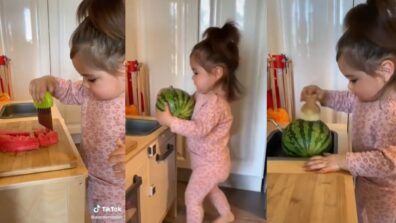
227, 218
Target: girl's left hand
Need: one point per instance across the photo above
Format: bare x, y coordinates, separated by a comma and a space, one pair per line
326, 164
117, 159
165, 117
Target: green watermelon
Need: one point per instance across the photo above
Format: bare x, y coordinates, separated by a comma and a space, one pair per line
304, 138
181, 104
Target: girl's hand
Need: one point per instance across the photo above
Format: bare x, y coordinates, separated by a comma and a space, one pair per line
39, 86
312, 91
117, 159
165, 117
327, 163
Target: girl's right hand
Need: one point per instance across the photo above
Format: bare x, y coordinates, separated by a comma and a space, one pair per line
39, 86
310, 91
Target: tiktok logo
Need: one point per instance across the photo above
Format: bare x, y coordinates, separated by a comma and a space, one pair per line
96, 210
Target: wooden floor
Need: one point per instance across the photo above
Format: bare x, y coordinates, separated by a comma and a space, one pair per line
247, 206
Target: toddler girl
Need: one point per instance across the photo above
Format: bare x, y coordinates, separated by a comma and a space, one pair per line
366, 55
97, 53
213, 62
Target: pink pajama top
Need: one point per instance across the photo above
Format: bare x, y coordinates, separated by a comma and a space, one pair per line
208, 131
373, 160
102, 123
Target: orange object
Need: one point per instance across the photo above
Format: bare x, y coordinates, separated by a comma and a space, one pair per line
279, 116
131, 110
4, 97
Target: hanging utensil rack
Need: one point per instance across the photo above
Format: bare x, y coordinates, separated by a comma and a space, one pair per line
5, 77
137, 87
280, 89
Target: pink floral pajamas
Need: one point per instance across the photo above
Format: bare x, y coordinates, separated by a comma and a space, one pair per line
373, 160
208, 134
102, 123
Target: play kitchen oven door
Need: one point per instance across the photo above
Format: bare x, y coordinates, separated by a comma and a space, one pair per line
132, 201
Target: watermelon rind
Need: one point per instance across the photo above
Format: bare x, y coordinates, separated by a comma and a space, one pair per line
180, 103
304, 138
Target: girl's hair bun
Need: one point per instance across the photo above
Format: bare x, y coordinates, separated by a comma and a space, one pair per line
229, 33
107, 16
375, 21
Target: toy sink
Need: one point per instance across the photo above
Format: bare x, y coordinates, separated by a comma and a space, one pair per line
140, 127
18, 110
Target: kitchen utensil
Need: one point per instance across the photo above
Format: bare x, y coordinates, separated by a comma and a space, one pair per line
44, 110
132, 69
138, 87
144, 92
5, 76
280, 96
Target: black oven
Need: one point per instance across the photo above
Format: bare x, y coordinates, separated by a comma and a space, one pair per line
132, 210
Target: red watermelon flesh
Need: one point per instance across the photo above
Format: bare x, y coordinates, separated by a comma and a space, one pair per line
13, 133
46, 137
18, 143
11, 141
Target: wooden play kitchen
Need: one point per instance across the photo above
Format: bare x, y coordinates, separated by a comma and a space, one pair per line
150, 170
295, 195
44, 185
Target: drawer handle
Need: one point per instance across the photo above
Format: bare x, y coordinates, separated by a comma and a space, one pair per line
137, 181
152, 150
165, 155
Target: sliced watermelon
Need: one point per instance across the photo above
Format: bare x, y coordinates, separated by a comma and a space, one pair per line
46, 137
18, 143
13, 133
12, 141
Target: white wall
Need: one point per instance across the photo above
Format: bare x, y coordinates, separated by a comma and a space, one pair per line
62, 22
25, 39
307, 32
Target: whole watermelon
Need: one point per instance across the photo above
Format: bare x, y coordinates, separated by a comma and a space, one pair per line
304, 138
181, 104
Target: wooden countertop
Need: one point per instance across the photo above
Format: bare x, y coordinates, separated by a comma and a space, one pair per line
134, 144
37, 178
310, 198
295, 195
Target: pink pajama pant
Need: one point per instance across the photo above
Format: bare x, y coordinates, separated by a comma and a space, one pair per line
204, 181
106, 202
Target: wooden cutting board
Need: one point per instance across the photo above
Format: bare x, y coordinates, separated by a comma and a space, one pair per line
54, 157
310, 198
130, 145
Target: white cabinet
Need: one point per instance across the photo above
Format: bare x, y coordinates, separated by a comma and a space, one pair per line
156, 168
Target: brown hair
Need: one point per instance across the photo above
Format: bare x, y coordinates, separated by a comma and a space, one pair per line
220, 48
370, 37
100, 36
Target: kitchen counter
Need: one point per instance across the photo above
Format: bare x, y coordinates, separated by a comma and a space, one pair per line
134, 144
45, 196
294, 195
157, 171
16, 181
